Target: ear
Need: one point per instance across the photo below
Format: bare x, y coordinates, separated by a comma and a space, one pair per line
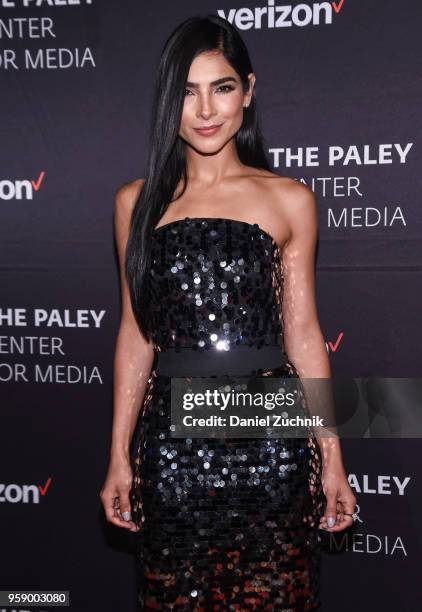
248, 95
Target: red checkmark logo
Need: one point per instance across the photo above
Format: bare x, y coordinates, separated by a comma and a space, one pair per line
43, 490
334, 346
337, 6
36, 185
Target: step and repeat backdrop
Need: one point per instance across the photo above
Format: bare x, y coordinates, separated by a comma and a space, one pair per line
339, 90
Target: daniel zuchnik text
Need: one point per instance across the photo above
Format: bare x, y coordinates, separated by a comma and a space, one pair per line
256, 421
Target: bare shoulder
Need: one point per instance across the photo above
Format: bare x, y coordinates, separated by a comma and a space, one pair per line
290, 206
124, 202
126, 196
285, 192
294, 194
295, 202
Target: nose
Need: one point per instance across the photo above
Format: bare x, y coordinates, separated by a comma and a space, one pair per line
205, 106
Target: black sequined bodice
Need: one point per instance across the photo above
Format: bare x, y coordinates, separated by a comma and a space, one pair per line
215, 283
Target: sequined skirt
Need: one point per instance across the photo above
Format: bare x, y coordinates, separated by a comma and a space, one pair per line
226, 524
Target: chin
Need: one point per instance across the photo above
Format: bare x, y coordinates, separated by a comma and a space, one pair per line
211, 149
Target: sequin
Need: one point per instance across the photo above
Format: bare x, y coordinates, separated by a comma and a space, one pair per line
235, 273
225, 524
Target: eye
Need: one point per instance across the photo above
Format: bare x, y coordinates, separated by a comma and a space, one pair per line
222, 88
227, 88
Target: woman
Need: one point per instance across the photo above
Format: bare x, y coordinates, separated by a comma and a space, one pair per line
209, 243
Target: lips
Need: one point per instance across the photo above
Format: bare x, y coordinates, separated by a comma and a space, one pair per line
209, 131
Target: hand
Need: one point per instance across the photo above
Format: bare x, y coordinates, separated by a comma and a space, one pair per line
115, 494
339, 496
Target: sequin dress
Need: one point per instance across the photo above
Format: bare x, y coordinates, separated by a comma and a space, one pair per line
225, 524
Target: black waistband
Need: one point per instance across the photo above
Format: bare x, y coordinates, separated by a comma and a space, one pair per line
238, 361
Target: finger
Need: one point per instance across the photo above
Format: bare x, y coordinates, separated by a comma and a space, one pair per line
125, 507
130, 525
330, 514
113, 516
342, 520
120, 522
346, 522
339, 516
124, 514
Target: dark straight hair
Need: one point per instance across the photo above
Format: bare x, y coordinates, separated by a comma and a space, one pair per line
166, 160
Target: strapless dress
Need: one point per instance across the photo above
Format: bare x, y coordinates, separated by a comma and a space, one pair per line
226, 524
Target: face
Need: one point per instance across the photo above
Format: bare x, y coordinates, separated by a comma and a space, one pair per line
210, 103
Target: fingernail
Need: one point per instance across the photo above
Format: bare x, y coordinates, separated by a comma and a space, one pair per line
331, 521
126, 515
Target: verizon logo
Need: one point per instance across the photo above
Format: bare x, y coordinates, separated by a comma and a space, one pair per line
20, 189
333, 346
23, 494
282, 16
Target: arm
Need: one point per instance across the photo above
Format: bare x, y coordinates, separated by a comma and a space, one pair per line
133, 355
304, 341
303, 338
132, 367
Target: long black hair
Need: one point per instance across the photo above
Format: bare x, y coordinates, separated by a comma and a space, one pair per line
166, 161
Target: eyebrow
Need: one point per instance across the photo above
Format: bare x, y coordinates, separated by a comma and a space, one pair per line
217, 82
